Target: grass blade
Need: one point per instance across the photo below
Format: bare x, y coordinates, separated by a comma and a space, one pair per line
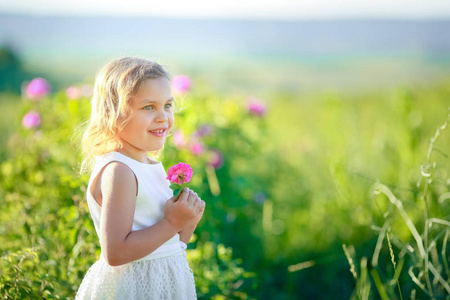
439, 278
417, 281
444, 257
380, 287
379, 245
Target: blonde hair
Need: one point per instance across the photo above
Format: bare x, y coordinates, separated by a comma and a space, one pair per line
115, 85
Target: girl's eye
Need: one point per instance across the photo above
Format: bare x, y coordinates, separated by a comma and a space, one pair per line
168, 105
148, 107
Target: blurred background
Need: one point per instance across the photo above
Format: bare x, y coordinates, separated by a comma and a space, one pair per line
316, 131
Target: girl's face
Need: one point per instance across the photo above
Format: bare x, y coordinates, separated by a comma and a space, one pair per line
151, 117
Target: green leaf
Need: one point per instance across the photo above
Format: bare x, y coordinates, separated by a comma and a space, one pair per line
175, 186
176, 192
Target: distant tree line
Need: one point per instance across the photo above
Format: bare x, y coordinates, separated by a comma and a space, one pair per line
12, 73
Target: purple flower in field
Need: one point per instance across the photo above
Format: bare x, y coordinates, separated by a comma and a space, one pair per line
178, 139
37, 88
202, 131
73, 92
216, 159
196, 148
181, 83
260, 197
31, 119
256, 107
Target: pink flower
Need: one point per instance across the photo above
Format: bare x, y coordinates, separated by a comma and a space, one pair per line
31, 119
202, 131
216, 159
181, 83
196, 148
180, 173
256, 107
37, 88
73, 92
178, 139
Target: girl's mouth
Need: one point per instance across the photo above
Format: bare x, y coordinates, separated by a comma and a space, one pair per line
158, 132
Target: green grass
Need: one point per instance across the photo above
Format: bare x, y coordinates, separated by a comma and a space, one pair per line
10, 106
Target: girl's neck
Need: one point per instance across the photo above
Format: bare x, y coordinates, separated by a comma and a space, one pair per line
132, 156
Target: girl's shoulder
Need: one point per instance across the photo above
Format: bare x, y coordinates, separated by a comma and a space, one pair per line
108, 161
114, 177
109, 171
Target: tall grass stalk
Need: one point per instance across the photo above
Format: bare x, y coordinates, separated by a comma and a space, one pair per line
444, 247
391, 252
350, 261
362, 283
381, 188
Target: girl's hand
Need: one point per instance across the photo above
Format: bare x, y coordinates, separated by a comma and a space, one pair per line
181, 210
186, 232
194, 221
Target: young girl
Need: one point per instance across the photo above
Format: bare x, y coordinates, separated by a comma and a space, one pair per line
143, 230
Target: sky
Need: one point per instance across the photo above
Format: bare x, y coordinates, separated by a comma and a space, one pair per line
241, 9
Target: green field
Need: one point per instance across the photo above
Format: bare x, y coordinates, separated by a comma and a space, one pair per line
347, 164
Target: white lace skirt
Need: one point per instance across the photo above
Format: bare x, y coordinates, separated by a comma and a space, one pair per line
159, 278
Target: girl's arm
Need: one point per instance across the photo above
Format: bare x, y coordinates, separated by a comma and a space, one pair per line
186, 234
118, 189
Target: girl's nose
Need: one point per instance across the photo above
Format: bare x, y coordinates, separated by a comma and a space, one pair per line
161, 117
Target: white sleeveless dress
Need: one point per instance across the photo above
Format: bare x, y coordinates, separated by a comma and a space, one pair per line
162, 274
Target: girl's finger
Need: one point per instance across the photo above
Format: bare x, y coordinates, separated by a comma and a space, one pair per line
191, 197
183, 195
